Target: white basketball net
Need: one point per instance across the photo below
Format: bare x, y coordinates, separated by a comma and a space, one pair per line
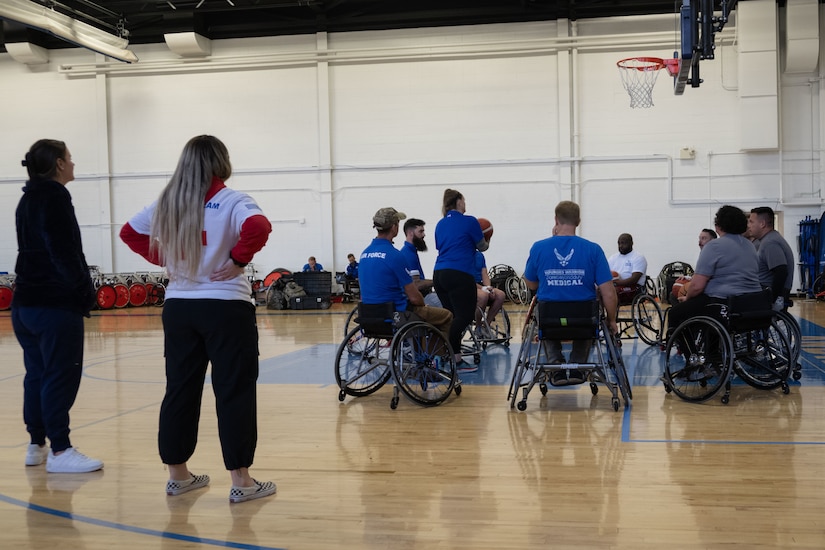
638, 77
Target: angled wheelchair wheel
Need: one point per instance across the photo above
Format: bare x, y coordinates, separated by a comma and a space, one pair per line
647, 319
763, 357
423, 364
699, 359
650, 287
121, 295
524, 372
157, 294
471, 346
616, 364
500, 328
137, 294
523, 291
6, 296
511, 289
788, 325
350, 322
106, 297
361, 373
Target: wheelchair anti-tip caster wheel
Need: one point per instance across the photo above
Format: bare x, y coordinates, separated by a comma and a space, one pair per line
341, 395
458, 389
725, 399
543, 389
797, 375
785, 389
521, 405
615, 402
394, 403
594, 388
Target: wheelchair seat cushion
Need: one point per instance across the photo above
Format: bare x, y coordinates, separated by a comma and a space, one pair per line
750, 311
568, 320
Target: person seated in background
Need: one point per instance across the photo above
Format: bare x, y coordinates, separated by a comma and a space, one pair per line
413, 244
679, 290
705, 236
352, 268
567, 268
489, 298
312, 265
776, 260
628, 268
384, 276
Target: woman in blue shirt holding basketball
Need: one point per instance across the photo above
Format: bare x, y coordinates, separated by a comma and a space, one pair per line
457, 237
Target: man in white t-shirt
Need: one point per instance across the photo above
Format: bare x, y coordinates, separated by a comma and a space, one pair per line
628, 268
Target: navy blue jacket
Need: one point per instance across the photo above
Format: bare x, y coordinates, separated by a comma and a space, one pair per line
51, 270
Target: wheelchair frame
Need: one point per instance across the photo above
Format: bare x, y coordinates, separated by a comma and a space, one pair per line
475, 341
387, 344
646, 317
533, 366
703, 354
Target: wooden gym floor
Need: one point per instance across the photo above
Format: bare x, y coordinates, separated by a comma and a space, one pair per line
566, 473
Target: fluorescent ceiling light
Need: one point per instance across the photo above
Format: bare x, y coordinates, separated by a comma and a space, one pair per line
48, 20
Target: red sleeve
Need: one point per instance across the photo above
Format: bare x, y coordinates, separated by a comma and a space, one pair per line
254, 234
139, 243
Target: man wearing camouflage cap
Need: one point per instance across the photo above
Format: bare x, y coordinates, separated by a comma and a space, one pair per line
383, 274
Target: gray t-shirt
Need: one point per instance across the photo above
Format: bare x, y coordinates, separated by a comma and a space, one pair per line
732, 266
774, 251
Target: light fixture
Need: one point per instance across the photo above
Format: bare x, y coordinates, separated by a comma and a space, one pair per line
62, 26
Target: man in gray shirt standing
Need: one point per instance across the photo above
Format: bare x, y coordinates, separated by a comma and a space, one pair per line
776, 260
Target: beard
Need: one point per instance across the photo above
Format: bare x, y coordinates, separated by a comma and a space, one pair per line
419, 244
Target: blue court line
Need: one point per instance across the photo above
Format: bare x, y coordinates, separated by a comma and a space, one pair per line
627, 439
132, 528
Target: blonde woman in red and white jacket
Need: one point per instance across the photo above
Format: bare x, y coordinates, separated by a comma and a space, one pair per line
204, 234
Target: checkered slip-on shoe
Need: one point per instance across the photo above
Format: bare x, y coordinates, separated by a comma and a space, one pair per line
174, 487
259, 490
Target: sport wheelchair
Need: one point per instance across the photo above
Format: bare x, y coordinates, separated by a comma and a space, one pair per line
385, 344
477, 336
645, 316
567, 321
703, 353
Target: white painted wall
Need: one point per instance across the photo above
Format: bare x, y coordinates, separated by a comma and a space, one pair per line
512, 115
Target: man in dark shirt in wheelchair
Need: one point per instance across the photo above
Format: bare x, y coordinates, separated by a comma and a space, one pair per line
567, 268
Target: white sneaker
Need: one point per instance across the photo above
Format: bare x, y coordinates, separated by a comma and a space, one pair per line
71, 461
36, 455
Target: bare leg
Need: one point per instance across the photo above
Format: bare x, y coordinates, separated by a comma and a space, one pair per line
496, 303
179, 472
241, 477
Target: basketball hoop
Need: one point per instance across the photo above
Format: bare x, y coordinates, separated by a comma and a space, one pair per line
639, 76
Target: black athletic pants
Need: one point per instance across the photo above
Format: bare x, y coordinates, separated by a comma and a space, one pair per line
457, 292
225, 333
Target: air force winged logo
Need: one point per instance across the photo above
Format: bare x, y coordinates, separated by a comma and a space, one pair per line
564, 260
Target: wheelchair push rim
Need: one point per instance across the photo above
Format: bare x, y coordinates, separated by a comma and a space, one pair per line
698, 359
423, 364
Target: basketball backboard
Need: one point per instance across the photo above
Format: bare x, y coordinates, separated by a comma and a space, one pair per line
698, 27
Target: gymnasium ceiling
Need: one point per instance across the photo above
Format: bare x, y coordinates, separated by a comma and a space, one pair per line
148, 20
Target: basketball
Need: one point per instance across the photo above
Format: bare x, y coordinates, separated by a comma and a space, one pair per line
486, 228
680, 286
